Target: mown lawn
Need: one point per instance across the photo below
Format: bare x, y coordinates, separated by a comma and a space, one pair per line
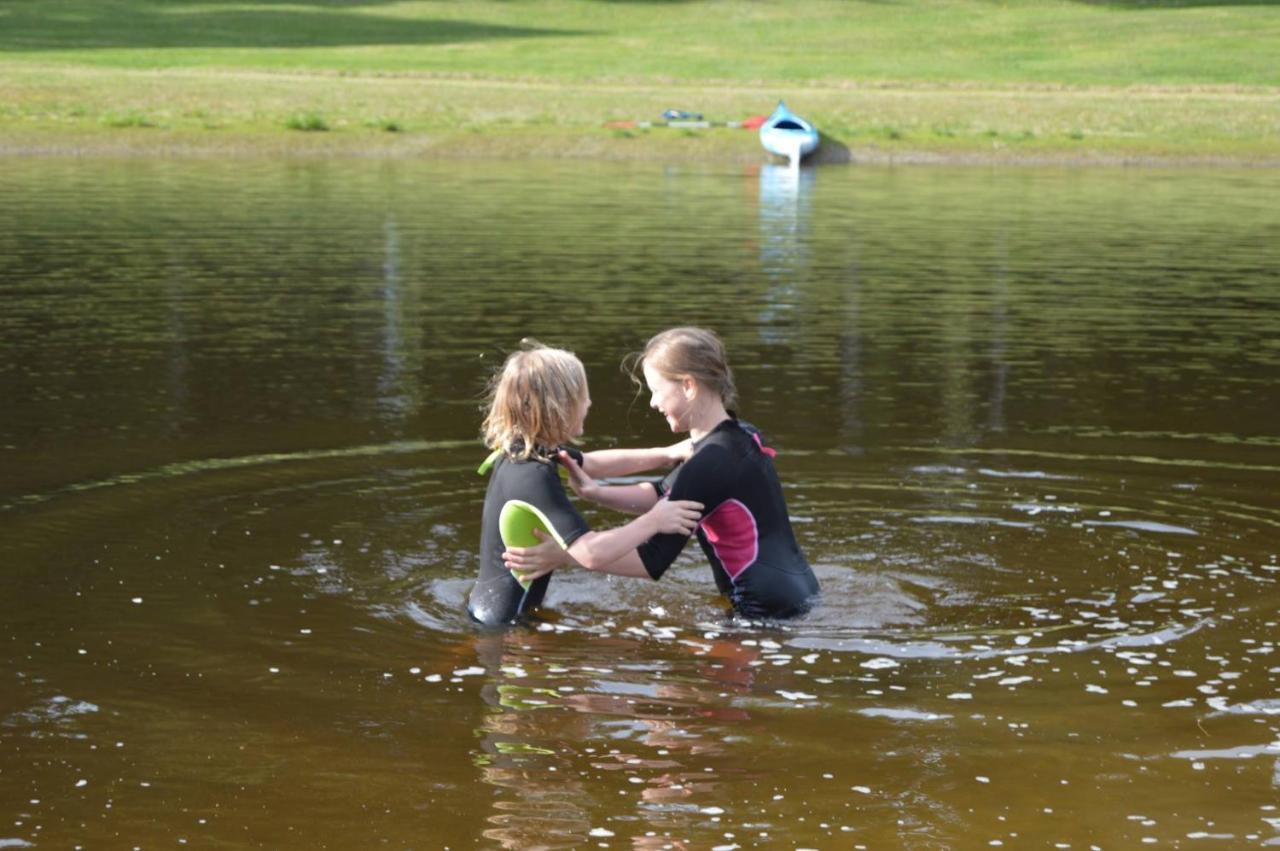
1039, 77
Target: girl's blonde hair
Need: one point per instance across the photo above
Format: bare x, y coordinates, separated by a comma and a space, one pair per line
693, 352
534, 400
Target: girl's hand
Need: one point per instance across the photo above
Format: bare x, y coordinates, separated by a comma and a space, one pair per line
676, 516
680, 452
535, 562
582, 484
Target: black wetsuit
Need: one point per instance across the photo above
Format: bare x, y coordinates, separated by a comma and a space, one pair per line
745, 531
497, 597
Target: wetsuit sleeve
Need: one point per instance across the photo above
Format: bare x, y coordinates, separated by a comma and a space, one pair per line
702, 478
664, 484
551, 500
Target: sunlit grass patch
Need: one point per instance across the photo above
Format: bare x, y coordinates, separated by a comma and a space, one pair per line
129, 119
386, 125
308, 122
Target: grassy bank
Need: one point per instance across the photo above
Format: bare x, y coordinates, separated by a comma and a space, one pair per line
1029, 80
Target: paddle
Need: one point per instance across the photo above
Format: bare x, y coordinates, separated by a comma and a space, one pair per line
751, 123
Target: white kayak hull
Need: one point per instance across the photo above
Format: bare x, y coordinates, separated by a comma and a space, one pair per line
786, 134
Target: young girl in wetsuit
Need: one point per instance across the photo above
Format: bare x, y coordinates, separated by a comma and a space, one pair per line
745, 531
538, 401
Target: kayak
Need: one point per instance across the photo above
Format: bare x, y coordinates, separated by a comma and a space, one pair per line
788, 135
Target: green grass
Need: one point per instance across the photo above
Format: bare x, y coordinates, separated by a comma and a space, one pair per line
308, 122
131, 119
1130, 78
1032, 41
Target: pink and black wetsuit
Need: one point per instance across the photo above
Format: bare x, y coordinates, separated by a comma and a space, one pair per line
745, 531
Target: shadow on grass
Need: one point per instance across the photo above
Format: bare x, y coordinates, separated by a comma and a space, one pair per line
830, 150
35, 25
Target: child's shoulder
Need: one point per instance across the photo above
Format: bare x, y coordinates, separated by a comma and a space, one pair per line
731, 435
712, 453
528, 479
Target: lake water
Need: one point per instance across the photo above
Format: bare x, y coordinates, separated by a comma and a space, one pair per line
1027, 423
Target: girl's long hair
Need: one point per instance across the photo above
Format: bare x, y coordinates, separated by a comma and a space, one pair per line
533, 401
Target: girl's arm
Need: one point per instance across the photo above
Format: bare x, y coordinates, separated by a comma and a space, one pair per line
612, 551
603, 463
629, 499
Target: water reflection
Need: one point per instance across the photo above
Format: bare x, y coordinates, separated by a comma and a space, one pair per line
543, 802
784, 211
395, 394
654, 729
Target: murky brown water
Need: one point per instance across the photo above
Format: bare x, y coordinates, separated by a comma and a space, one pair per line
1027, 420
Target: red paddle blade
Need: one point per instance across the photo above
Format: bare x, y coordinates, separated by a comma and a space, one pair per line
754, 122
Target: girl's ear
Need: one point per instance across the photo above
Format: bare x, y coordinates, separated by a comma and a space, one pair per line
689, 386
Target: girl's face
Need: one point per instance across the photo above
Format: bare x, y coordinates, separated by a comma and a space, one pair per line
669, 397
580, 419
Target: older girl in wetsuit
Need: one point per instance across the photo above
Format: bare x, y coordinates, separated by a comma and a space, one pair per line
745, 531
538, 401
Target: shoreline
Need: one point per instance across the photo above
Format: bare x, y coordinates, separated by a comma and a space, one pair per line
205, 113
132, 146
